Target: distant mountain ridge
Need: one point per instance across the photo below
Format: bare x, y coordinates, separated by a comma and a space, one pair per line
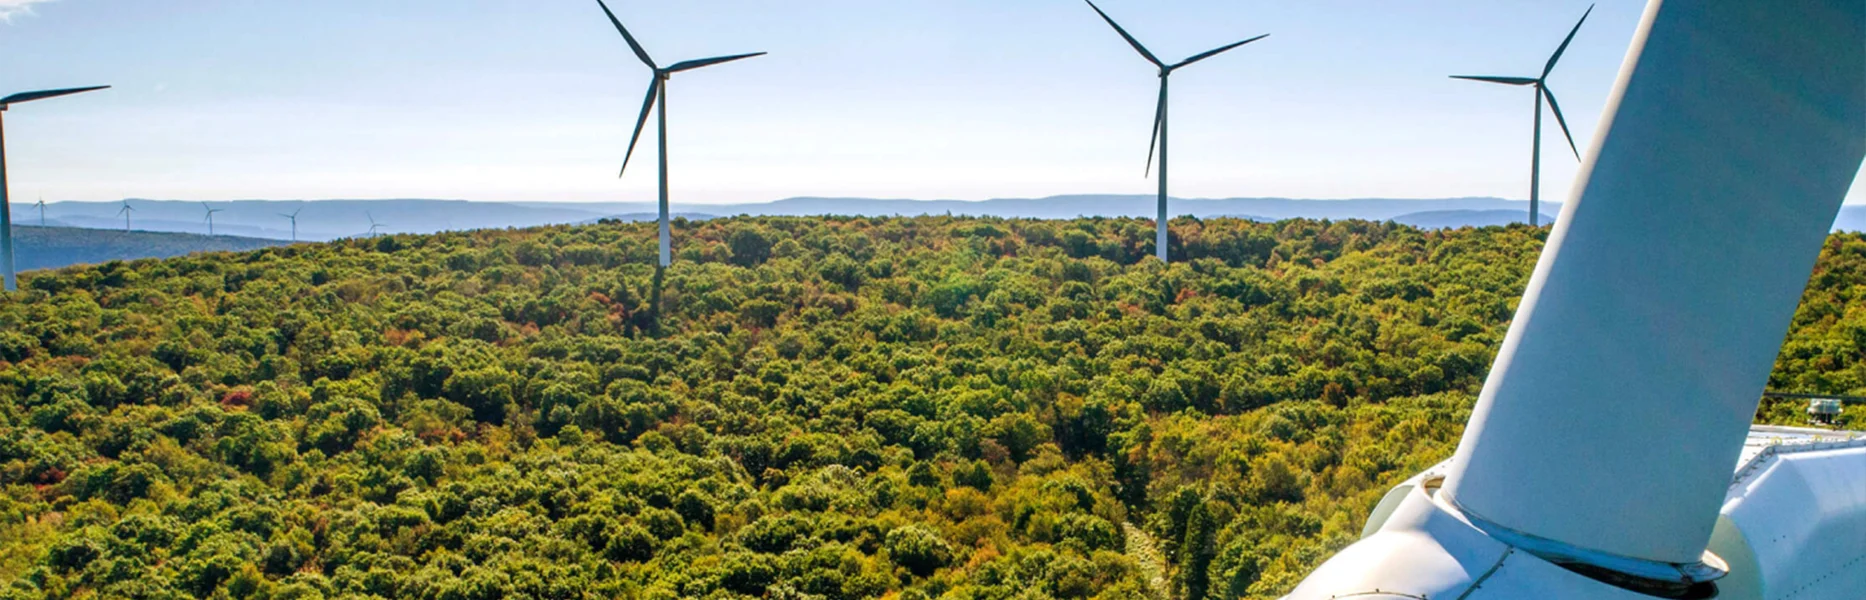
330, 219
1111, 205
318, 220
1452, 219
38, 247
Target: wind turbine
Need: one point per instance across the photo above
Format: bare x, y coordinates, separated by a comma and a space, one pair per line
1643, 345
294, 217
1159, 113
1540, 83
373, 225
210, 216
657, 94
41, 206
125, 213
7, 276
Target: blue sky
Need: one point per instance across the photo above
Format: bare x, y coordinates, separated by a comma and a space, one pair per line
962, 99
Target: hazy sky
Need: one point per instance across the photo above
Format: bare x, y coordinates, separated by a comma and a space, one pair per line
965, 99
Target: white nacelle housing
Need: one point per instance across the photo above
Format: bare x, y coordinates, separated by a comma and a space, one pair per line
1425, 549
1793, 527
1794, 522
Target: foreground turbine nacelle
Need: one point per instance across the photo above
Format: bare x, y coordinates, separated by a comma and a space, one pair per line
1425, 548
1597, 460
1794, 519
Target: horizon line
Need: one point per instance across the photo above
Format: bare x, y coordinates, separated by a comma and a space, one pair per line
785, 199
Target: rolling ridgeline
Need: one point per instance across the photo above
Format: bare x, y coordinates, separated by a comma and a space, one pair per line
54, 247
799, 408
323, 220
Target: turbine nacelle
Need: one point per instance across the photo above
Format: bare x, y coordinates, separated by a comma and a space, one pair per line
1158, 139
210, 216
1166, 70
661, 76
657, 93
1542, 89
1540, 83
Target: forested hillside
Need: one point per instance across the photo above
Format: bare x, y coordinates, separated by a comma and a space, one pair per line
800, 408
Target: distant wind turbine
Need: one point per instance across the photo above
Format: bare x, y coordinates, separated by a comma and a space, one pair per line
41, 206
294, 217
125, 213
657, 94
373, 225
210, 216
7, 276
1540, 83
1159, 113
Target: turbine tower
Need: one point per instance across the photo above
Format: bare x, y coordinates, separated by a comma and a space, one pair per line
8, 278
1159, 113
1540, 83
125, 213
41, 206
210, 216
657, 95
294, 217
